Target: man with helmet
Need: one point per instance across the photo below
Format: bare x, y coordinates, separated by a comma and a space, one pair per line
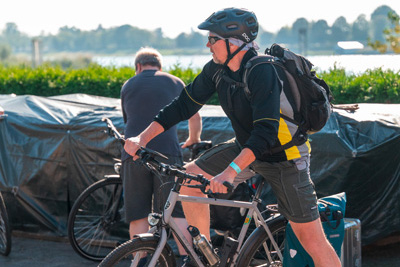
258, 128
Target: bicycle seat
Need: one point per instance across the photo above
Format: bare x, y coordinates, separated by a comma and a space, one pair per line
197, 148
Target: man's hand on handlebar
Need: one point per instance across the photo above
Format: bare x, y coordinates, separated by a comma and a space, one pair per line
132, 145
222, 182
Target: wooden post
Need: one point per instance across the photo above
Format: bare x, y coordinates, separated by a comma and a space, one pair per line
303, 41
36, 52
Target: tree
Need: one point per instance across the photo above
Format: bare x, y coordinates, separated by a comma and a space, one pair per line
284, 35
340, 30
14, 38
379, 22
300, 34
265, 38
193, 39
319, 34
391, 35
360, 29
299, 25
5, 52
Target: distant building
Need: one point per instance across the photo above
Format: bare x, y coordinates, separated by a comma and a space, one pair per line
349, 47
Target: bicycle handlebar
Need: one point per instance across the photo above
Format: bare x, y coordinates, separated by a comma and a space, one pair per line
112, 131
147, 155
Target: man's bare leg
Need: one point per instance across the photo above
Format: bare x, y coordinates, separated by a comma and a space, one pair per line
312, 238
138, 227
142, 226
197, 214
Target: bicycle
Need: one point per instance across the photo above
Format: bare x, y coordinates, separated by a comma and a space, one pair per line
5, 230
96, 222
263, 247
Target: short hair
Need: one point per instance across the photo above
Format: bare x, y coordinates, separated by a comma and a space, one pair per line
148, 56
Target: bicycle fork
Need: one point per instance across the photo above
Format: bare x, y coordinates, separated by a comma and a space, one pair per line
168, 220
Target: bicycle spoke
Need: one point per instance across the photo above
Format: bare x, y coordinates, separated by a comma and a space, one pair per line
97, 227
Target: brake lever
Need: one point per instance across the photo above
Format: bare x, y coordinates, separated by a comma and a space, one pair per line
229, 186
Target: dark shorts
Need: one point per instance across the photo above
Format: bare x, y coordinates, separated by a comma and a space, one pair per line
144, 192
289, 180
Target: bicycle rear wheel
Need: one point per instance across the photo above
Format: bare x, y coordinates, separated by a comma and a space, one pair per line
95, 224
122, 255
5, 231
253, 252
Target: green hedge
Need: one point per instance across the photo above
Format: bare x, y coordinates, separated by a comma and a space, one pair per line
373, 86
48, 81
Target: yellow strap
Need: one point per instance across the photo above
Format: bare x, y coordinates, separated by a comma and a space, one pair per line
192, 98
265, 119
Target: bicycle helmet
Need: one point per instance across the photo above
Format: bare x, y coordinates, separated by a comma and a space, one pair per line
232, 22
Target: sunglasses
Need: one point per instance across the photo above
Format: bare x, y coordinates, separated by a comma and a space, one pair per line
213, 39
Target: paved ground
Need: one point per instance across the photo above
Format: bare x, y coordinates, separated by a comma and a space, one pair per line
33, 252
42, 253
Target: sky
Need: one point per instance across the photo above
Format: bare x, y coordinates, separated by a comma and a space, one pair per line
34, 17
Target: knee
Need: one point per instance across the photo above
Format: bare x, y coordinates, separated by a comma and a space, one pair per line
311, 236
191, 191
191, 167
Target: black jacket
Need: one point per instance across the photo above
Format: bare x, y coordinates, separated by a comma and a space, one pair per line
255, 122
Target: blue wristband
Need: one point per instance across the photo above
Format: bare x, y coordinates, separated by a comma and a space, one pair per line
235, 167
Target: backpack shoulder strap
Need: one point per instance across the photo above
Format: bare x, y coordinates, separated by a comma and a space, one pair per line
254, 61
257, 60
221, 75
300, 137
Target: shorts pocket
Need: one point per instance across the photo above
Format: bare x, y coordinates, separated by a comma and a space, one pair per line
307, 197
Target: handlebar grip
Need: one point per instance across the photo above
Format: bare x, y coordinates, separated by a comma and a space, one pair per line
229, 186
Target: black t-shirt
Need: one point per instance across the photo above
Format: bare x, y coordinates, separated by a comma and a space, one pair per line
142, 97
255, 122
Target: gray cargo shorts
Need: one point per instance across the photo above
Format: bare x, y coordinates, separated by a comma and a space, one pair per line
144, 192
289, 180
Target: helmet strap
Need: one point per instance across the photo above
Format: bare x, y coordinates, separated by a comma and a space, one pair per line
230, 56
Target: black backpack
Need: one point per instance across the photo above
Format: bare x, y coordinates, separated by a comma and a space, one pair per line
312, 95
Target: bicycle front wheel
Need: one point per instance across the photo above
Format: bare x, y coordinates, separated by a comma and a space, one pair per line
95, 224
254, 252
143, 251
5, 231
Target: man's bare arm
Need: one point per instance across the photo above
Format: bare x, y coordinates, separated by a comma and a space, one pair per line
244, 159
133, 144
195, 127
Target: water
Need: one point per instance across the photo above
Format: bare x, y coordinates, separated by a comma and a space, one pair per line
192, 61
351, 63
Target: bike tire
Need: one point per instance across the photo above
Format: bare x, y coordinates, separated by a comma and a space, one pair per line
5, 230
253, 253
122, 255
96, 225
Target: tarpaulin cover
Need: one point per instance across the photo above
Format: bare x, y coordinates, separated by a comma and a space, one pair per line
52, 148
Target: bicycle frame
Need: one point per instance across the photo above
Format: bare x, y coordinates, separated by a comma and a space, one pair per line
168, 220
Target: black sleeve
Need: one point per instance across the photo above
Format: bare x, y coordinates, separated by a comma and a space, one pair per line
191, 99
265, 90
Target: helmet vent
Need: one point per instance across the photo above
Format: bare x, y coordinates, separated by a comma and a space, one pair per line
221, 17
232, 26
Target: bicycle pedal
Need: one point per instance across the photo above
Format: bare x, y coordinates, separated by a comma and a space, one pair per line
221, 233
228, 250
273, 208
